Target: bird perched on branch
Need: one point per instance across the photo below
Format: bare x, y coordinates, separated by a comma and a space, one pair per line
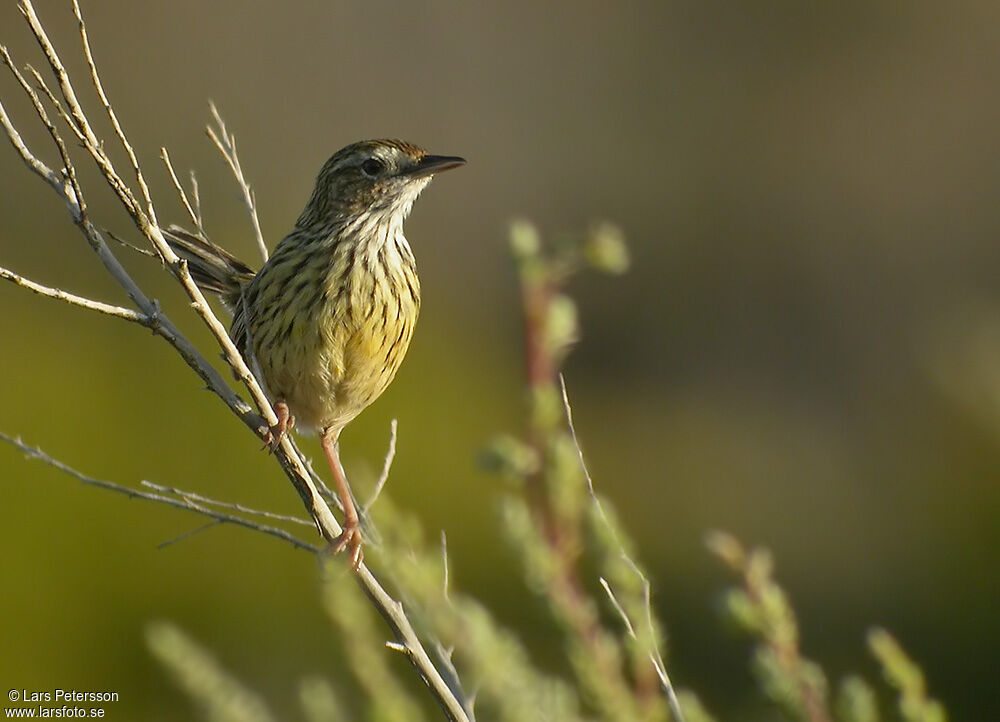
327, 320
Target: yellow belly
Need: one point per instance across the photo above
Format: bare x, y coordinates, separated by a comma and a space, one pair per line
330, 367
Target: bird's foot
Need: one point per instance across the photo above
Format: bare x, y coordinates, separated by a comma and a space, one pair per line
350, 539
274, 435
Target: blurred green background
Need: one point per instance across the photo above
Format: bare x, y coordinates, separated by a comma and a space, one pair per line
806, 352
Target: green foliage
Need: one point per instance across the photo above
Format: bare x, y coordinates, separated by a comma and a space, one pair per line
761, 607
692, 707
856, 701
903, 674
798, 685
605, 249
492, 660
320, 702
570, 542
363, 643
510, 458
220, 696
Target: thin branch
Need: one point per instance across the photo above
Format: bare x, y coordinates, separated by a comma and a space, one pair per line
618, 607
195, 217
90, 139
185, 494
64, 184
33, 163
386, 466
227, 148
125, 244
67, 188
655, 658
291, 462
40, 82
147, 225
445, 657
112, 116
69, 191
444, 563
152, 233
324, 490
188, 534
576, 442
36, 453
444, 654
197, 199
91, 305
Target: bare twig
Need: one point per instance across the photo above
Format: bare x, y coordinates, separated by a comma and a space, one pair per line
89, 138
95, 148
444, 563
91, 305
40, 82
579, 451
324, 490
112, 116
618, 607
386, 466
292, 462
185, 494
33, 163
63, 184
183, 503
194, 216
226, 143
655, 658
196, 200
67, 188
125, 244
188, 534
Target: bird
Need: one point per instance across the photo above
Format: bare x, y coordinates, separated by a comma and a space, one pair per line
326, 321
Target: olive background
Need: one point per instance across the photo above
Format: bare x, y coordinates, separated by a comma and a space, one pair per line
806, 351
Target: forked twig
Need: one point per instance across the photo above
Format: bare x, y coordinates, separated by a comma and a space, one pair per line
193, 496
125, 244
65, 184
226, 144
182, 503
386, 466
88, 303
112, 116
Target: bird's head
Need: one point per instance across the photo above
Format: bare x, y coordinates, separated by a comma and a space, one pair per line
380, 177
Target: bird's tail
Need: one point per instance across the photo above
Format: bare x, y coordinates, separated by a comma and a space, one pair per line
213, 268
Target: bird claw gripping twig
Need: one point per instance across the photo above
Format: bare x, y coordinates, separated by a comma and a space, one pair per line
351, 540
275, 433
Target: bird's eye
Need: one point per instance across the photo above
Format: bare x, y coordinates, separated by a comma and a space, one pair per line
372, 167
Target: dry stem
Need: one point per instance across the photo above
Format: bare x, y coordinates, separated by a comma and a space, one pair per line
186, 501
654, 656
64, 183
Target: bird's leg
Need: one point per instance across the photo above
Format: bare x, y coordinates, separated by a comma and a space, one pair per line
277, 432
350, 537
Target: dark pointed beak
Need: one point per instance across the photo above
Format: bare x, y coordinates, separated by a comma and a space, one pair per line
431, 164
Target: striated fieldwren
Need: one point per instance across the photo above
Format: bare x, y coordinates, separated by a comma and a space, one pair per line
326, 321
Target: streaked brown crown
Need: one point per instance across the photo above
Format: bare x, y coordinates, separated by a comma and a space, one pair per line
364, 177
